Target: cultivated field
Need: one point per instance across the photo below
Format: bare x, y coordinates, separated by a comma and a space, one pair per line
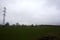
29, 33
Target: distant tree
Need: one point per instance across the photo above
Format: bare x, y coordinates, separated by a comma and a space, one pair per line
32, 25
17, 24
7, 24
23, 25
13, 25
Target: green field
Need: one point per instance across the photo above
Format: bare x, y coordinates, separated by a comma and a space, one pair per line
28, 33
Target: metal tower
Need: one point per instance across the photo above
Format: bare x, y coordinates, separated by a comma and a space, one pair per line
4, 15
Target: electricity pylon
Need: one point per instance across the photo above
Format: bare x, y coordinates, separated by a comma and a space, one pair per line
4, 15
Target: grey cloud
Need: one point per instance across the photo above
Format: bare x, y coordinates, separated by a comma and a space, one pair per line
31, 12
54, 3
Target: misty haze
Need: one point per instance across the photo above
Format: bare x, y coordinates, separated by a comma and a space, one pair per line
29, 19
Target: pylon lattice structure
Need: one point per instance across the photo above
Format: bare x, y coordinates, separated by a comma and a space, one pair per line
4, 15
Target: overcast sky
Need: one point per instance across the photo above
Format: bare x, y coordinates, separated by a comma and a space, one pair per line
31, 11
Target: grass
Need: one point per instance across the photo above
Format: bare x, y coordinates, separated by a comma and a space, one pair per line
27, 33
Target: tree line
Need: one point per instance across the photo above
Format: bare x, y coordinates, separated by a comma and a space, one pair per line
32, 25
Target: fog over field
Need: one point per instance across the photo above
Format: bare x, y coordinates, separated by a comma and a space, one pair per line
31, 11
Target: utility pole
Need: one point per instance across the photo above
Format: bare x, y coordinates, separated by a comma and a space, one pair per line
4, 15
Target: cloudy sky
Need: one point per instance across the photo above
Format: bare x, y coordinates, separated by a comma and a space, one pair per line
31, 11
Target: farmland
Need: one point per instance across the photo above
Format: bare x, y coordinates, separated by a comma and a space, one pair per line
28, 33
